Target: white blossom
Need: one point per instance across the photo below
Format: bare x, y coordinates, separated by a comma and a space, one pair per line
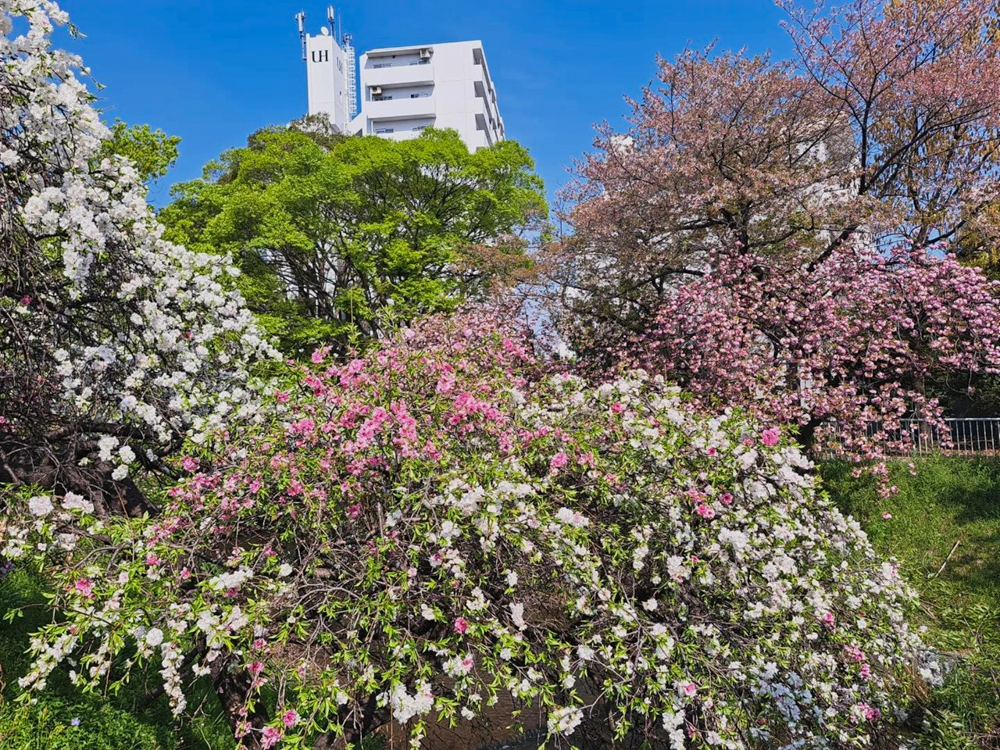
40, 505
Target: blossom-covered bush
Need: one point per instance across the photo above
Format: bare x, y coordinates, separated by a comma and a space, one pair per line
845, 349
114, 344
442, 524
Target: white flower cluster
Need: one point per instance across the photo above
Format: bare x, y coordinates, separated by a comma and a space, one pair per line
172, 357
405, 706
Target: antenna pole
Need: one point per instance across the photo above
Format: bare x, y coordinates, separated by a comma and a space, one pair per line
300, 18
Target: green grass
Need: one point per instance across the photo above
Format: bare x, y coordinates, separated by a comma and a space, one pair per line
113, 722
948, 501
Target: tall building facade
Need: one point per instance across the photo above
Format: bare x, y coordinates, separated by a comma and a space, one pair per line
407, 89
403, 90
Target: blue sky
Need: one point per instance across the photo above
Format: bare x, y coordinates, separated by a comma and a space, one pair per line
214, 71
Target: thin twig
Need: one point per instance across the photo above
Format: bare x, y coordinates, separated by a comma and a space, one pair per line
939, 570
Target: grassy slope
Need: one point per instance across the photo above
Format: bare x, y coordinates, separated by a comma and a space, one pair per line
948, 501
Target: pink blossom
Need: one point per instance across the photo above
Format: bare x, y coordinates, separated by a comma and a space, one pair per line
867, 712
303, 426
84, 587
270, 737
290, 718
726, 498
190, 463
886, 516
446, 383
558, 461
690, 689
461, 625
855, 652
705, 511
770, 436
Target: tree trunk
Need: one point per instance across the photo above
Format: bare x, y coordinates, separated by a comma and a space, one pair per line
233, 689
807, 436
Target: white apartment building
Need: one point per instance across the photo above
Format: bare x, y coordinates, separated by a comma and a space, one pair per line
403, 90
407, 89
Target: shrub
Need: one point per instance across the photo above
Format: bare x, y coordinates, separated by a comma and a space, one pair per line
442, 523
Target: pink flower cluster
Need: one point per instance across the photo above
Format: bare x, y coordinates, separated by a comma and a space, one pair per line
836, 349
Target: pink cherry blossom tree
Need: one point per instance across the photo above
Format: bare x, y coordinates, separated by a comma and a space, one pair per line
756, 181
844, 350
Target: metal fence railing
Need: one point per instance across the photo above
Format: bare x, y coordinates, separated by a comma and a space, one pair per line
959, 436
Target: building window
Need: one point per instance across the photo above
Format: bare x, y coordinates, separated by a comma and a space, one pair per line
380, 131
382, 98
382, 65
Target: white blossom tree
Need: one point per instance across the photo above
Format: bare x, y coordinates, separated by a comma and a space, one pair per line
114, 344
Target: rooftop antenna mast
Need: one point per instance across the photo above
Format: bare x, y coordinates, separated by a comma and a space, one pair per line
332, 20
300, 18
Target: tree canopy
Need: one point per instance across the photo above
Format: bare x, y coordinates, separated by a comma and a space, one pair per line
724, 222
335, 235
151, 152
883, 126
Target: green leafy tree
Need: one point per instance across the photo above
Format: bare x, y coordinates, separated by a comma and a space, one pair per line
338, 236
152, 152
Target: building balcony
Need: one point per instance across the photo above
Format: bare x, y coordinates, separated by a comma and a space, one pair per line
398, 75
485, 117
477, 140
400, 109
